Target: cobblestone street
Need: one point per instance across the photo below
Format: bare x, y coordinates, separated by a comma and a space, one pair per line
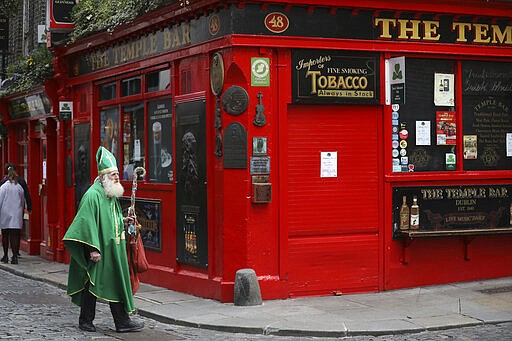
33, 310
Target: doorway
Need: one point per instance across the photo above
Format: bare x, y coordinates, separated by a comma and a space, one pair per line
332, 208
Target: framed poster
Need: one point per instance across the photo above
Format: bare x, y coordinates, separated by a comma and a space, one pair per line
149, 213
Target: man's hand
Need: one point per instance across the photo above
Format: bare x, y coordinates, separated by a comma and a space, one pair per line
128, 221
95, 256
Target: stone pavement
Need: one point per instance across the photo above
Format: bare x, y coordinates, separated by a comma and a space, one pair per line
389, 312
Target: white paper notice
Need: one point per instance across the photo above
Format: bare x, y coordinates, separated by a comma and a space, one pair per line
328, 164
423, 133
136, 150
509, 144
444, 86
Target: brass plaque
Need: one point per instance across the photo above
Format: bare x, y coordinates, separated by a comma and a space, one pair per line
217, 73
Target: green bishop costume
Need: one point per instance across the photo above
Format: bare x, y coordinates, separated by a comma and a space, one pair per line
98, 225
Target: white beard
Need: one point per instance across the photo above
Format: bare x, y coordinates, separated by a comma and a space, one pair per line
112, 188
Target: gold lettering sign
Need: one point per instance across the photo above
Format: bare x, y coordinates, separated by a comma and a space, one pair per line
462, 193
427, 30
170, 38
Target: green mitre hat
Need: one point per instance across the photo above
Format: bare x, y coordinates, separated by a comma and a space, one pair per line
106, 161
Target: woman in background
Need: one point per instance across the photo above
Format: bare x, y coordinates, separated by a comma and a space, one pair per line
12, 205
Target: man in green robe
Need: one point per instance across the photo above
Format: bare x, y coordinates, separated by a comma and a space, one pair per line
96, 242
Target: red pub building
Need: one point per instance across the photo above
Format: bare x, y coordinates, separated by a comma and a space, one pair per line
333, 149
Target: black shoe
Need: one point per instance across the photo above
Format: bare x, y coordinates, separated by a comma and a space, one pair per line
129, 326
14, 260
5, 259
87, 326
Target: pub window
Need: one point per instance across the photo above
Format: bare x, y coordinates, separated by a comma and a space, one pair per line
130, 86
158, 80
108, 91
133, 138
109, 134
424, 128
487, 115
160, 141
139, 132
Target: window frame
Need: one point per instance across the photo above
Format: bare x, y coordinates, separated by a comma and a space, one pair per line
460, 171
144, 98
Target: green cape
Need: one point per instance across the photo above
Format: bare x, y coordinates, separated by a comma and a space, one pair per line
94, 227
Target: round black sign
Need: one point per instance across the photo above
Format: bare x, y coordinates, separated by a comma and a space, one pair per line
235, 100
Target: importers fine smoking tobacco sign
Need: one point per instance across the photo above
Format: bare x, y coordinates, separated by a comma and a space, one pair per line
321, 76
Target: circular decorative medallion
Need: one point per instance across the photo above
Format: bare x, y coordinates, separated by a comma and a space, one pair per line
214, 24
216, 73
235, 100
276, 22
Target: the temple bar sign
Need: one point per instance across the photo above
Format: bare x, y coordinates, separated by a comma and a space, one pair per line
321, 76
435, 30
167, 39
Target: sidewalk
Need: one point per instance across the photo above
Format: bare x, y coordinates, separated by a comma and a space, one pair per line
398, 311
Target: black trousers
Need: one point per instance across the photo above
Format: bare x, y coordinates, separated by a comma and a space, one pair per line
11, 236
88, 309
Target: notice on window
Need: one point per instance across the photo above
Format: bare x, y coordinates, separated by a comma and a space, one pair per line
470, 147
509, 144
328, 164
446, 129
443, 89
423, 133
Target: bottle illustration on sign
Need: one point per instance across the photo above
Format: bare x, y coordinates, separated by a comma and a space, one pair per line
415, 214
157, 149
404, 214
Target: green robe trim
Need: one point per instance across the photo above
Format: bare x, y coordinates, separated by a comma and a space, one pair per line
94, 227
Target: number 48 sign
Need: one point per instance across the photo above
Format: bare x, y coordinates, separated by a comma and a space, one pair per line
276, 22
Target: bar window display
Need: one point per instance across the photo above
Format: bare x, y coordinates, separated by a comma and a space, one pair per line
133, 139
424, 128
487, 115
160, 141
109, 134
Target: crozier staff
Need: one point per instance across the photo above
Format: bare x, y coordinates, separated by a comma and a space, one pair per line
96, 242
